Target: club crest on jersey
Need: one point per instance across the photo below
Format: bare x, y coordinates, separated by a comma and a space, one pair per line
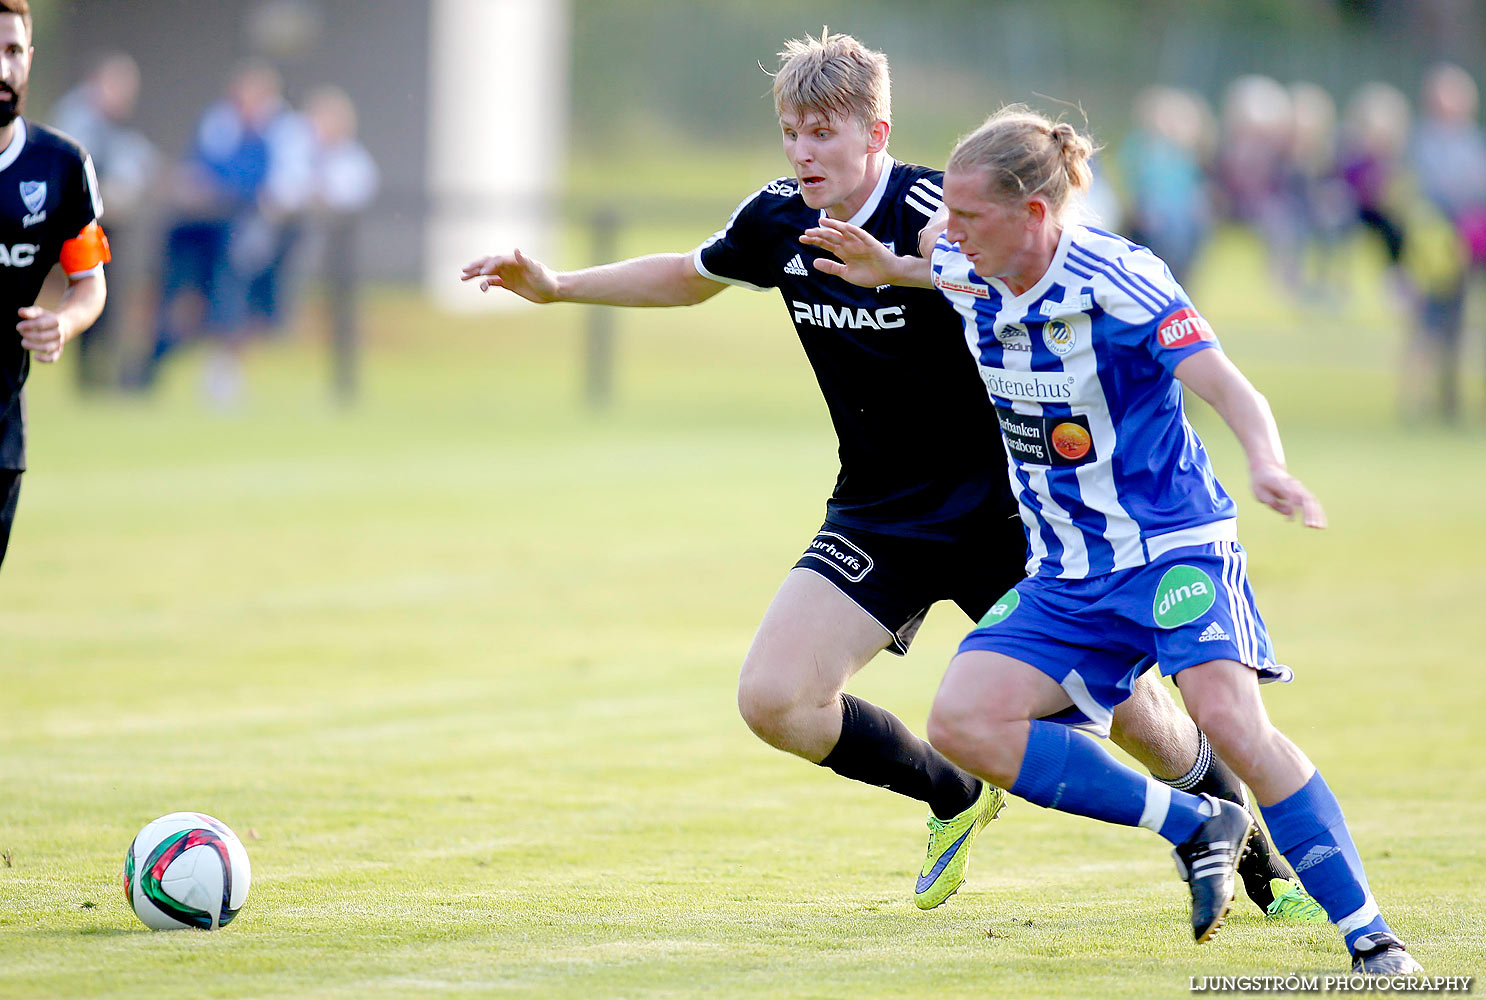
1058, 336
33, 195
1183, 328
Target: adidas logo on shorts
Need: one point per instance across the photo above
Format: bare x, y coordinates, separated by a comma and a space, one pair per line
1213, 633
796, 267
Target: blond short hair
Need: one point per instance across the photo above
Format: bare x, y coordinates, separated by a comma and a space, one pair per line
1025, 153
834, 75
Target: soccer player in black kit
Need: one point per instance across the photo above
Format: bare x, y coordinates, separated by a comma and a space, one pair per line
921, 511
49, 210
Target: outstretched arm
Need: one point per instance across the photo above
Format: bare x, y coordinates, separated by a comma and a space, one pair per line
862, 259
1212, 376
663, 279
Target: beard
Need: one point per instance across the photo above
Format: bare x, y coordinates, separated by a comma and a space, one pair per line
11, 101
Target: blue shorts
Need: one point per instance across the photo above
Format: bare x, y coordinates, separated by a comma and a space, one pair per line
1096, 636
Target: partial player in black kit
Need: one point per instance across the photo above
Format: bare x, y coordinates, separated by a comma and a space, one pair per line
921, 511
49, 209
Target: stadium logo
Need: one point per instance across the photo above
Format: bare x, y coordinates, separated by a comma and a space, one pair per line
847, 318
1183, 595
1001, 610
18, 254
1013, 338
1184, 328
33, 194
850, 561
1058, 336
950, 285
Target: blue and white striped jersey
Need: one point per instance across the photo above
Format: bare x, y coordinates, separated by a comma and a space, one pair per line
1107, 472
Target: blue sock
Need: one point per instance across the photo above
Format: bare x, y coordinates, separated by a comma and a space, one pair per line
1309, 830
1074, 774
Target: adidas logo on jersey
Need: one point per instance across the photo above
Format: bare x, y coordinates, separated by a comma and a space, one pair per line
1214, 633
797, 268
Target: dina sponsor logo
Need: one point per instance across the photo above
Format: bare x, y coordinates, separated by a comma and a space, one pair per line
1184, 594
1183, 328
850, 561
846, 317
1001, 610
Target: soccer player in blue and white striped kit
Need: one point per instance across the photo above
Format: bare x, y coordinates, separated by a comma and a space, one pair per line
1084, 341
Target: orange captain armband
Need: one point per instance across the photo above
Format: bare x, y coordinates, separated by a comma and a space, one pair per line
86, 250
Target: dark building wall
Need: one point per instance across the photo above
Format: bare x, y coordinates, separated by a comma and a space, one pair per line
377, 50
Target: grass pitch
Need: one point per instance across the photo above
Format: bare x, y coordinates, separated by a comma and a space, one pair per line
458, 666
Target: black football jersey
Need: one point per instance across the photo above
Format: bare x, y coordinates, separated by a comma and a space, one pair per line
48, 195
920, 452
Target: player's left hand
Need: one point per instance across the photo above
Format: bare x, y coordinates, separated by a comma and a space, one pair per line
42, 333
1278, 489
861, 258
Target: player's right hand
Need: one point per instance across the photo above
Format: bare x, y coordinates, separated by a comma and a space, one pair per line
515, 272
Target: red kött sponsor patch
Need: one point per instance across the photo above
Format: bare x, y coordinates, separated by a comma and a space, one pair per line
1183, 328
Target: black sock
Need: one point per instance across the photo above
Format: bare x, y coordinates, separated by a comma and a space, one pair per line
1209, 774
876, 748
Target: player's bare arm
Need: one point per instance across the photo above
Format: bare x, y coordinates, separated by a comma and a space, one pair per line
862, 259
1244, 409
929, 235
45, 332
667, 279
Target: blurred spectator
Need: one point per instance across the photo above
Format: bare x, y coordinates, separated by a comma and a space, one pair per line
1449, 153
94, 113
203, 287
1166, 189
1321, 196
345, 182
1255, 169
1423, 249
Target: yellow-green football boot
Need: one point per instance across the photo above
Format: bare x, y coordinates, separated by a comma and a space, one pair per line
949, 848
1293, 904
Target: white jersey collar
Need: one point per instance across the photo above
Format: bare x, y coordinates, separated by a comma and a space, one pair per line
17, 143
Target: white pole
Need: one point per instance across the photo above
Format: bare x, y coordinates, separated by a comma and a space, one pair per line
497, 124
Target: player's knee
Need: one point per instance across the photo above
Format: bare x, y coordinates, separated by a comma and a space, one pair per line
955, 725
1238, 736
771, 706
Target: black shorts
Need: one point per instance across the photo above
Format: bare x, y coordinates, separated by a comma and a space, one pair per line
896, 578
10, 495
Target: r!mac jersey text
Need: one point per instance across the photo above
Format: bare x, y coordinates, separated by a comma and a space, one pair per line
904, 399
